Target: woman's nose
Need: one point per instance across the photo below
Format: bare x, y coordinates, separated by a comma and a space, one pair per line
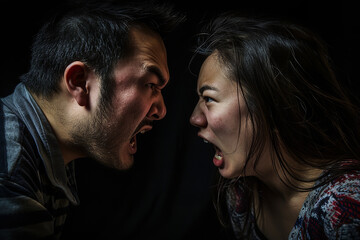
198, 118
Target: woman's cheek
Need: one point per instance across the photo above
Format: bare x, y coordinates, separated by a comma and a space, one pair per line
217, 123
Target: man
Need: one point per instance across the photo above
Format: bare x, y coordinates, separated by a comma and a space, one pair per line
94, 83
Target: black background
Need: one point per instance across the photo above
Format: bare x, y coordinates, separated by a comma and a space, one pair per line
168, 192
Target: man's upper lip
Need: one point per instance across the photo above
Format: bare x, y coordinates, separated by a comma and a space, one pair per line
143, 129
144, 126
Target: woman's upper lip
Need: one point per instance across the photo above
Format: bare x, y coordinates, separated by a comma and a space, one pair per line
208, 141
199, 135
204, 138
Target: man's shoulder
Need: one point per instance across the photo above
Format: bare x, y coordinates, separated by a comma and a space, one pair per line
16, 142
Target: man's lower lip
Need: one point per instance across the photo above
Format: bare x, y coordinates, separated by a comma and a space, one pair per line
132, 145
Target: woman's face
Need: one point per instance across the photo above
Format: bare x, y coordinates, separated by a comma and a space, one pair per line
222, 118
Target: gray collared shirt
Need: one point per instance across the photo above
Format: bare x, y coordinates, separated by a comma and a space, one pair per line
36, 188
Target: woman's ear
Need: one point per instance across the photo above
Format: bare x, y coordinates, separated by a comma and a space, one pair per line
75, 77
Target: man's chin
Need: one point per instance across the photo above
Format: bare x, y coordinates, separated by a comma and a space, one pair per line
123, 161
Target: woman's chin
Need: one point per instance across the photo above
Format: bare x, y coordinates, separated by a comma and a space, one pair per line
228, 171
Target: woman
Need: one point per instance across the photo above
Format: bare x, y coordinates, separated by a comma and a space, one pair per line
285, 133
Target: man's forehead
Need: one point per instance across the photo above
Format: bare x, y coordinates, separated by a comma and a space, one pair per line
150, 50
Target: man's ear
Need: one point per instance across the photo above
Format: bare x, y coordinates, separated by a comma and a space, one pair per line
75, 77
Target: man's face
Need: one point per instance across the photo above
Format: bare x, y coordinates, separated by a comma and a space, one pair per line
136, 102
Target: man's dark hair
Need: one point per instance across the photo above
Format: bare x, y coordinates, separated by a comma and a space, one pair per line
94, 33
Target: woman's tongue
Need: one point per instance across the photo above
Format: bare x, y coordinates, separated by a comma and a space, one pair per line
218, 159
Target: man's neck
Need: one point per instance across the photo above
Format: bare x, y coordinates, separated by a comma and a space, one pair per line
51, 111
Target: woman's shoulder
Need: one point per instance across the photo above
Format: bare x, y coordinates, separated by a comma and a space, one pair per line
335, 209
342, 196
346, 186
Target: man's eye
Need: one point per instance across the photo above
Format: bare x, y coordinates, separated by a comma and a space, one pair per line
151, 85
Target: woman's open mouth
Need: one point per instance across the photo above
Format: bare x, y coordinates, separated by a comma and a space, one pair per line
218, 158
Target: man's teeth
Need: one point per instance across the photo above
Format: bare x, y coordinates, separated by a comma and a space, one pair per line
218, 157
144, 131
205, 141
132, 141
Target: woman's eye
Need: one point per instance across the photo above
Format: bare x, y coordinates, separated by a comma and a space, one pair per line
208, 99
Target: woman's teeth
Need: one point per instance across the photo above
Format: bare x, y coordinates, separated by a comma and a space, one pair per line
218, 154
218, 157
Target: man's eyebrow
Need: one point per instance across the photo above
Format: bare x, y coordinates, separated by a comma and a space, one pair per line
155, 70
207, 87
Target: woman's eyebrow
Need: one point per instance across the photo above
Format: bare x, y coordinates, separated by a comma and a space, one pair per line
207, 87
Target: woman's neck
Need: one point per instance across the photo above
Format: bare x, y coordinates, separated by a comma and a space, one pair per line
279, 198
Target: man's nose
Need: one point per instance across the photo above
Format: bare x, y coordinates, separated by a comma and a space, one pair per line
158, 109
198, 118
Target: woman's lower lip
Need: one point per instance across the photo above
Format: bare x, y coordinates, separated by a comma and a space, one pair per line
218, 160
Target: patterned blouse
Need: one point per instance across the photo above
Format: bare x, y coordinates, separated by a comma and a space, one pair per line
329, 212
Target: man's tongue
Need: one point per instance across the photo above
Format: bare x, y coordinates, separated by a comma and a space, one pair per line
218, 159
